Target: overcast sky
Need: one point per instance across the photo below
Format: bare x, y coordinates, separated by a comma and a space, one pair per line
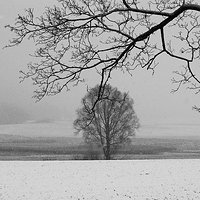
154, 103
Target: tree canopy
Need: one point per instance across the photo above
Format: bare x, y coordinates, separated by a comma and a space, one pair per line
80, 35
112, 122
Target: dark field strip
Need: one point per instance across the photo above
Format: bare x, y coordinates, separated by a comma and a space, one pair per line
75, 149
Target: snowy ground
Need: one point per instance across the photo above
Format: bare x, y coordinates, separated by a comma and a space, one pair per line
100, 180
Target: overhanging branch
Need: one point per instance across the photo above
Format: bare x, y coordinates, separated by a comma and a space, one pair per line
100, 35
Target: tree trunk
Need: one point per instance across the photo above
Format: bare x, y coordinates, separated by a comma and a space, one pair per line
106, 151
107, 155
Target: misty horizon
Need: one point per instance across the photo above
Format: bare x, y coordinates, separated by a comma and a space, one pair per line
64, 128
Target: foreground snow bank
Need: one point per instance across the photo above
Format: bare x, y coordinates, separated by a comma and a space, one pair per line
102, 180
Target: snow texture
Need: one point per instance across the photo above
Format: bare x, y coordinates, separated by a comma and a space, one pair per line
100, 180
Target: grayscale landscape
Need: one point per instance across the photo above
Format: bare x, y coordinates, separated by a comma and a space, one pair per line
99, 100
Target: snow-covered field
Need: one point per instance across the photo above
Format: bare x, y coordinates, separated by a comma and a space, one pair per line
105, 180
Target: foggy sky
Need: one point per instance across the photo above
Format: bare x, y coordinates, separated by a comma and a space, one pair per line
154, 103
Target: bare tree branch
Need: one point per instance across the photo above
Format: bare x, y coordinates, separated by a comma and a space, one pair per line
77, 36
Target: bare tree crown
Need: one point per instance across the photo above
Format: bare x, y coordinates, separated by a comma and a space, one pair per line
104, 35
113, 122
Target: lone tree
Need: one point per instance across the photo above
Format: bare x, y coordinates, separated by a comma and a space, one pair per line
112, 122
79, 35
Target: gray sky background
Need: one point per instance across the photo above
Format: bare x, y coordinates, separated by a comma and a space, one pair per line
154, 103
